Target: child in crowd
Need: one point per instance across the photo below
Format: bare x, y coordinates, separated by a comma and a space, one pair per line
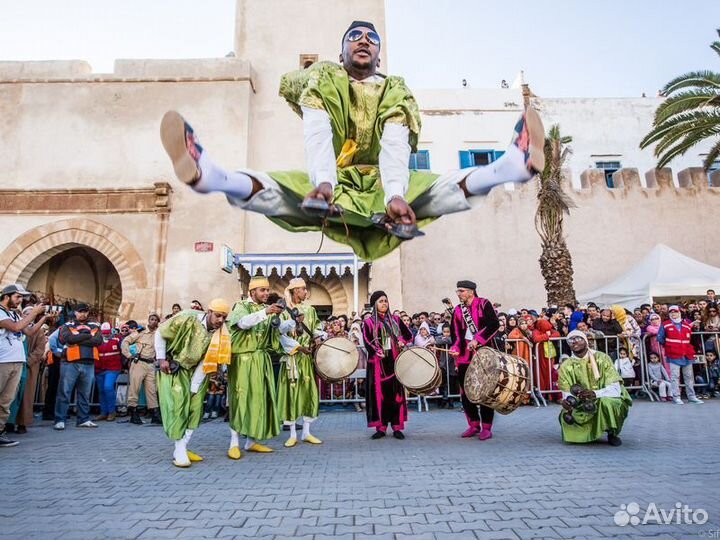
659, 377
713, 374
215, 395
625, 368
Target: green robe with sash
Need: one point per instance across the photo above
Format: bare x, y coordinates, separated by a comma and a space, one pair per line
298, 393
358, 112
611, 412
251, 383
187, 341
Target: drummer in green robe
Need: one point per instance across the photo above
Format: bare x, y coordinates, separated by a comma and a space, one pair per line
188, 347
360, 128
251, 383
588, 380
298, 394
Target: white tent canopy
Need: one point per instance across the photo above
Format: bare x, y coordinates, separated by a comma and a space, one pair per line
663, 272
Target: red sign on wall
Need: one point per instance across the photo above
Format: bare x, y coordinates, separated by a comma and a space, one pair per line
203, 247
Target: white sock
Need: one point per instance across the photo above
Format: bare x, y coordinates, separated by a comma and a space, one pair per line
234, 439
188, 435
180, 453
248, 443
293, 430
306, 426
213, 178
509, 168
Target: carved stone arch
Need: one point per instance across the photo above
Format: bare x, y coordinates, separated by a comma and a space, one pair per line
28, 252
331, 284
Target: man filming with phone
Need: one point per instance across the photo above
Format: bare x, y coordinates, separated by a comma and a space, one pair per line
13, 329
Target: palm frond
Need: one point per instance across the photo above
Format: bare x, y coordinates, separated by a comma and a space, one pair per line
680, 124
702, 79
686, 101
678, 150
712, 156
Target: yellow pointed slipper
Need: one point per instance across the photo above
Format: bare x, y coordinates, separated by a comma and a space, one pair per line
260, 448
181, 465
192, 456
234, 453
292, 441
312, 440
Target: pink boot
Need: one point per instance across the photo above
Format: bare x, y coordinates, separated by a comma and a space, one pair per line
486, 432
473, 430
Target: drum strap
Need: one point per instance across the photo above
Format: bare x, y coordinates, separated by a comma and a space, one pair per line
468, 319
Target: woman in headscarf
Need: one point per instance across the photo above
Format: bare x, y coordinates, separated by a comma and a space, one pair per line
631, 330
547, 340
384, 335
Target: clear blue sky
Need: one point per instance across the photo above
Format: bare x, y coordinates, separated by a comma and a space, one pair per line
565, 47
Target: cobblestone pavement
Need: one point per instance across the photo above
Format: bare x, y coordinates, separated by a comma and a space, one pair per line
118, 482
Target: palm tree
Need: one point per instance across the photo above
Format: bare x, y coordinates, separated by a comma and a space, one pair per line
553, 204
689, 115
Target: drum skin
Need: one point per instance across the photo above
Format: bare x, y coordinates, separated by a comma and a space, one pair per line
497, 380
336, 359
417, 369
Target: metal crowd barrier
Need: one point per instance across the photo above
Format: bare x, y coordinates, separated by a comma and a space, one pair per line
352, 390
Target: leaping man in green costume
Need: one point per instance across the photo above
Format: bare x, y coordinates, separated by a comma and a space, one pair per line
360, 128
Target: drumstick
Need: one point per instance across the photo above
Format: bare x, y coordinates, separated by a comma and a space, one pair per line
420, 356
326, 344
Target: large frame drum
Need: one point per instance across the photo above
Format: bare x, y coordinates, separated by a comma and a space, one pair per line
418, 370
336, 359
497, 380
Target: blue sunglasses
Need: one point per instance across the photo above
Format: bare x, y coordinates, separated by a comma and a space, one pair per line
356, 35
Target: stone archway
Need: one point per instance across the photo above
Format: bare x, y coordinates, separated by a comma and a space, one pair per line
28, 252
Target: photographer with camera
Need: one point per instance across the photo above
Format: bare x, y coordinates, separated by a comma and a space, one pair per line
142, 369
13, 329
251, 384
594, 399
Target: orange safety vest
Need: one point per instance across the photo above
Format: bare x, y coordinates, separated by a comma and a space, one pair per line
72, 352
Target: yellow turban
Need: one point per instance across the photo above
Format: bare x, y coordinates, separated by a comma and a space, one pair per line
258, 281
219, 305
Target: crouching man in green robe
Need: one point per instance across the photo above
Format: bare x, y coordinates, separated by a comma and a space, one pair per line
589, 377
360, 128
251, 383
188, 346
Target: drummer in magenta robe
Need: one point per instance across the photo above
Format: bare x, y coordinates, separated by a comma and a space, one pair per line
474, 323
384, 335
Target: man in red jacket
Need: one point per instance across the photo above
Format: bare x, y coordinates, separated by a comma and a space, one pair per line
674, 334
107, 370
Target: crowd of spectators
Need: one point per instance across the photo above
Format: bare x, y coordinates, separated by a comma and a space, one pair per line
36, 344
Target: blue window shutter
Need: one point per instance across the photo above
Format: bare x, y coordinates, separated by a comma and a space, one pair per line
422, 159
497, 154
466, 159
412, 164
